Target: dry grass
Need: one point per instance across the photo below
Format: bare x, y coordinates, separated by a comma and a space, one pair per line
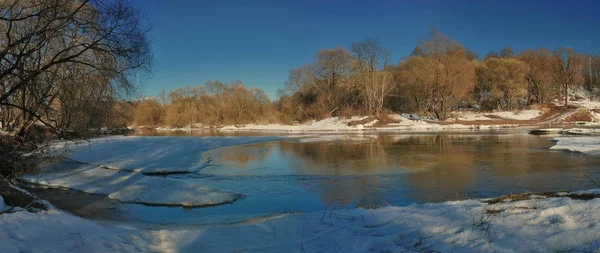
528, 195
361, 122
581, 115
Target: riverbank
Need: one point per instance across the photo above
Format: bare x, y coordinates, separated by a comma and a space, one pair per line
544, 222
461, 120
539, 223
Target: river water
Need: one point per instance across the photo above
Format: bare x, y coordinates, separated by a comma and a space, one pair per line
349, 171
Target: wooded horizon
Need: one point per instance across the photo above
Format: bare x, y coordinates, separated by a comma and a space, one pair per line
439, 76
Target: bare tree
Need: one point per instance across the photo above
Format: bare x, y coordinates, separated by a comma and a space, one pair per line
445, 71
149, 113
567, 69
370, 57
507, 52
502, 83
46, 46
332, 69
592, 74
492, 54
540, 82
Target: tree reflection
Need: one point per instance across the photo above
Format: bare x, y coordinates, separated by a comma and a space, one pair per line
423, 168
436, 167
432, 163
243, 156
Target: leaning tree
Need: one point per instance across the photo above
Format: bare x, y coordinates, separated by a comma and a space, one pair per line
63, 61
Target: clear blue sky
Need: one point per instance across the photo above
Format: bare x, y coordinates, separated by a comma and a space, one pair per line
258, 41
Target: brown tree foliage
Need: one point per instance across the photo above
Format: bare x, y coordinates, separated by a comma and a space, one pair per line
441, 77
540, 83
149, 113
215, 103
501, 83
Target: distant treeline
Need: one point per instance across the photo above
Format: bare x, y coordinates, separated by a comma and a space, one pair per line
214, 103
439, 76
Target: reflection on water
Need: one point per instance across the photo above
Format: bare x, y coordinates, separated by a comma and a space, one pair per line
424, 168
377, 170
394, 169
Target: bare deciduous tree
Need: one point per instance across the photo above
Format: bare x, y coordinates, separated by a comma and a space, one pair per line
371, 57
502, 83
568, 66
48, 47
332, 69
540, 83
507, 52
444, 70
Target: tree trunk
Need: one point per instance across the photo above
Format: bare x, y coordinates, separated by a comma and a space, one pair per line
13, 196
566, 94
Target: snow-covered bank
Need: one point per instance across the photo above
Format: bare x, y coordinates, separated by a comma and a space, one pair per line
422, 126
539, 224
509, 115
520, 115
357, 124
328, 124
57, 231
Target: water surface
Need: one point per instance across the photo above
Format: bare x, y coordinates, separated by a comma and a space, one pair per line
373, 170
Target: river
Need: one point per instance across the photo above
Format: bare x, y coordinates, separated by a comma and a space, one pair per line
357, 170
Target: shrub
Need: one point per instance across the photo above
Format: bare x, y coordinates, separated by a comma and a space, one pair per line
12, 161
581, 115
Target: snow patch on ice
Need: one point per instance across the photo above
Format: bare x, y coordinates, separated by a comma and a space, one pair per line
155, 155
136, 188
583, 144
118, 167
581, 131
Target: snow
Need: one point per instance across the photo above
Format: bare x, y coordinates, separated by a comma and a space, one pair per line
509, 115
328, 124
120, 167
581, 131
3, 207
587, 104
520, 115
56, 231
135, 187
423, 126
583, 144
536, 225
580, 97
402, 124
155, 155
472, 116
